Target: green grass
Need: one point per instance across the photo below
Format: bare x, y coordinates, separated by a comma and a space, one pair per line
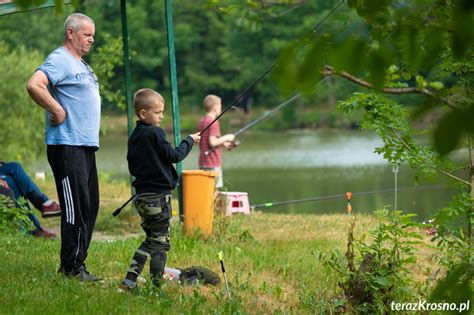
269, 262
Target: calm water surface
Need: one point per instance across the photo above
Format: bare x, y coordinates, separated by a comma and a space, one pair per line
280, 166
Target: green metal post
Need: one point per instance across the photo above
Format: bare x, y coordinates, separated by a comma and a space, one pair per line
174, 95
126, 60
128, 80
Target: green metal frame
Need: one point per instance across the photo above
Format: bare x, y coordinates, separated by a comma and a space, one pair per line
12, 7
174, 95
126, 59
128, 79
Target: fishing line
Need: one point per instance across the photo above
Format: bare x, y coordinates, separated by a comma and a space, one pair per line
273, 66
340, 196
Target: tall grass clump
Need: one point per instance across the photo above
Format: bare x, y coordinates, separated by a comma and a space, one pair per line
375, 272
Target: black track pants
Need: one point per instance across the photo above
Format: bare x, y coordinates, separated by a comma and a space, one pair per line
75, 173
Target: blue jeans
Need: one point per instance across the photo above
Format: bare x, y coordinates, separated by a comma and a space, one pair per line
22, 185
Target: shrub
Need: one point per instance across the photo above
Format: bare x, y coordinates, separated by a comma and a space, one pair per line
13, 218
382, 274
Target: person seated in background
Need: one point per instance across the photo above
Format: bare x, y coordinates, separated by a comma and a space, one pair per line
13, 177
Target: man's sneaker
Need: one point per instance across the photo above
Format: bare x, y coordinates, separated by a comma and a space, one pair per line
81, 273
43, 233
52, 210
85, 276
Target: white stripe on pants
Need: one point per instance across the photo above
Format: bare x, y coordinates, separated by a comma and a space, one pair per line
70, 218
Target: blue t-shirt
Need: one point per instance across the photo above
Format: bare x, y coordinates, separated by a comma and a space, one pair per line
75, 87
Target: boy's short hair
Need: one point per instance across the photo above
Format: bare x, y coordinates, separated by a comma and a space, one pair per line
145, 98
210, 101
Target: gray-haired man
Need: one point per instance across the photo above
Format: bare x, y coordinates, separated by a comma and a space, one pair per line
67, 88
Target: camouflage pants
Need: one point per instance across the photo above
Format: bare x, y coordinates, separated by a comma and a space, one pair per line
155, 212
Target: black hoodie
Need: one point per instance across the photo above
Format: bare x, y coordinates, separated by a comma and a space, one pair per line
150, 157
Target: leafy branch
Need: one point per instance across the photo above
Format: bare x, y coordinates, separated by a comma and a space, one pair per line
437, 169
330, 71
389, 120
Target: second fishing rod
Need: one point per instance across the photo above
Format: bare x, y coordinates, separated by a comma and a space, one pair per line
259, 119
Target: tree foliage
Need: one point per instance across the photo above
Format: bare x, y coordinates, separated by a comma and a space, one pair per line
217, 49
428, 42
21, 120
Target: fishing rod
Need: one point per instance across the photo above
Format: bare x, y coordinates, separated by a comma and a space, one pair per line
262, 117
239, 96
256, 121
339, 196
118, 210
273, 66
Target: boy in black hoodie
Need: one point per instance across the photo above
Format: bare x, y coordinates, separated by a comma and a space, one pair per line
150, 157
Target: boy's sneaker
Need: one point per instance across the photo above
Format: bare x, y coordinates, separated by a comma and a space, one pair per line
51, 210
123, 289
127, 286
44, 233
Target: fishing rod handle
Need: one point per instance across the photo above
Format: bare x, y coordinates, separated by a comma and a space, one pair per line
235, 143
117, 211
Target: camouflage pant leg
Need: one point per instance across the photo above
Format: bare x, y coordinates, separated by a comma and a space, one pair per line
155, 211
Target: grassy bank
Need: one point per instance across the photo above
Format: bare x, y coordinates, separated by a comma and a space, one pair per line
269, 259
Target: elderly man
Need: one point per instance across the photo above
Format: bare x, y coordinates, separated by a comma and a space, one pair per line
67, 88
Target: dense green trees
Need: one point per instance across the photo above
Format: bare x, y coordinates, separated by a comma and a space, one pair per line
21, 120
217, 51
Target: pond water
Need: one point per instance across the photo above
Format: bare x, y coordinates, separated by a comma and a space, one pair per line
293, 165
282, 166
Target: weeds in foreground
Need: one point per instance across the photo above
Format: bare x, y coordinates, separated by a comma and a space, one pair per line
14, 216
383, 274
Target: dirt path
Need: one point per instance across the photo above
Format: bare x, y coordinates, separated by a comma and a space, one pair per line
102, 236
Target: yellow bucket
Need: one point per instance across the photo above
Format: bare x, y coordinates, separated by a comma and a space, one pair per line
198, 200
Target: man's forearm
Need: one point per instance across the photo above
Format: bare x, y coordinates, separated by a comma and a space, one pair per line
37, 87
42, 97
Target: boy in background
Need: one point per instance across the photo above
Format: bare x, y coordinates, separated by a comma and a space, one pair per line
210, 155
150, 157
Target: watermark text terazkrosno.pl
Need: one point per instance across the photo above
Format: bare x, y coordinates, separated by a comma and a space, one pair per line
423, 305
